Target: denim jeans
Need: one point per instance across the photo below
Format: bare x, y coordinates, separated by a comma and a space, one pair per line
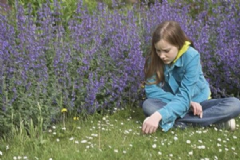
214, 111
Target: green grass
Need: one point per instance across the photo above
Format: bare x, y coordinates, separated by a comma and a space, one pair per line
118, 136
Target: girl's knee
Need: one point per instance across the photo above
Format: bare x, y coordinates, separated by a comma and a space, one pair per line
235, 103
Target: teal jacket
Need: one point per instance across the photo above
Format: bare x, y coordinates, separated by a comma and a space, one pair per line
184, 82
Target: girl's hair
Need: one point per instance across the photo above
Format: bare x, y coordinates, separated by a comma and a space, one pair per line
171, 32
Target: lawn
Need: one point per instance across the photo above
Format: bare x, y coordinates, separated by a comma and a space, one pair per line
119, 136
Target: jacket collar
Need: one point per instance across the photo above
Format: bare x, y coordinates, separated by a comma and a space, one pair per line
178, 61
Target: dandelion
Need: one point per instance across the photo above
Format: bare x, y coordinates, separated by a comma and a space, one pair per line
188, 141
75, 118
64, 110
154, 146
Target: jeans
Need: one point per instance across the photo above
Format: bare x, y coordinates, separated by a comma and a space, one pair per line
214, 111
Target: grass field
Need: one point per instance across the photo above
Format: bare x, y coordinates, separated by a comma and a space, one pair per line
118, 136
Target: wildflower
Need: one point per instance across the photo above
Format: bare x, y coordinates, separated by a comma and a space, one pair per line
76, 142
124, 152
115, 150
200, 141
175, 138
25, 157
188, 141
53, 127
159, 153
57, 140
75, 118
190, 153
7, 147
71, 138
1, 153
84, 141
234, 137
154, 146
201, 147
219, 145
64, 128
64, 110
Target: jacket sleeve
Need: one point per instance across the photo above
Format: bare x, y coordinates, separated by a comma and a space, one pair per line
179, 105
156, 92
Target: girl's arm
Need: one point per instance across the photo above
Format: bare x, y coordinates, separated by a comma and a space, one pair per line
180, 103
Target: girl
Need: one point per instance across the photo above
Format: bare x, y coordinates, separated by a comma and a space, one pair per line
177, 92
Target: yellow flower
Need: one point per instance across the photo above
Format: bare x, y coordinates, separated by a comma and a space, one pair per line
75, 118
64, 110
142, 86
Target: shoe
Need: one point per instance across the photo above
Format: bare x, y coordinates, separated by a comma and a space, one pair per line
229, 125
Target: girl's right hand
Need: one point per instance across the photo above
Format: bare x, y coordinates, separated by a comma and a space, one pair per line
196, 108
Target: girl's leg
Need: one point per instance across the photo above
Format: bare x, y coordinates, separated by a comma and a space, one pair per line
150, 106
214, 111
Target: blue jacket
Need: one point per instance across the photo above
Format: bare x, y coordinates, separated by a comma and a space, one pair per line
184, 82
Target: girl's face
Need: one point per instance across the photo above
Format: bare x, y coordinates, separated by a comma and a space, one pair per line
166, 52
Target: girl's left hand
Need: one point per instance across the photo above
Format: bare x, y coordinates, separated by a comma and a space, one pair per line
150, 124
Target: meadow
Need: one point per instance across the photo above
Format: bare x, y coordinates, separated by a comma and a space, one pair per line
70, 79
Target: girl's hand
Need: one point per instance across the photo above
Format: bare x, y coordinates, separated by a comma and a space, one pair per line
150, 124
196, 108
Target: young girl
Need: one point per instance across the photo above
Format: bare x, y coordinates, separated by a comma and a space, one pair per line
177, 92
